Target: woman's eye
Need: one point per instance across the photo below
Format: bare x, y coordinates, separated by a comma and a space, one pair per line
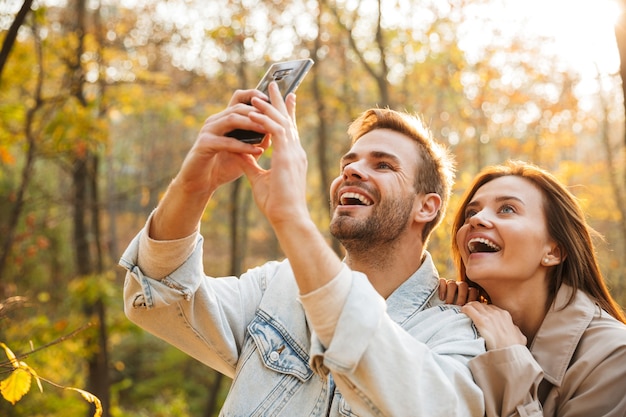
470, 213
507, 209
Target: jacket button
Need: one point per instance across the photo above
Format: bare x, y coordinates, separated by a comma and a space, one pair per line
274, 356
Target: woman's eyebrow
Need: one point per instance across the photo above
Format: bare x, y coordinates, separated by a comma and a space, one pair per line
498, 199
509, 197
473, 203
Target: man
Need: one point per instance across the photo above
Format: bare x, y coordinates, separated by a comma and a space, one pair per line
311, 336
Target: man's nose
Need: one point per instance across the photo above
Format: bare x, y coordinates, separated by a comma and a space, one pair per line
355, 170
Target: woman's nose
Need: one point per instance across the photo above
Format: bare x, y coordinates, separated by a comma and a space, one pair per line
480, 219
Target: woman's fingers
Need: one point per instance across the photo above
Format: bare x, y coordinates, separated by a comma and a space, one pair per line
456, 292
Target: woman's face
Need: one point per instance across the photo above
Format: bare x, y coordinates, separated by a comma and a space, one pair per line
504, 241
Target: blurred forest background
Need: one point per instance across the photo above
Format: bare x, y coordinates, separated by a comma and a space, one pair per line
101, 99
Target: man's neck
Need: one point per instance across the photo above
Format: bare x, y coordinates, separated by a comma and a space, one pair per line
386, 267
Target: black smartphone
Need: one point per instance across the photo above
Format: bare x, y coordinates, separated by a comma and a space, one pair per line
288, 75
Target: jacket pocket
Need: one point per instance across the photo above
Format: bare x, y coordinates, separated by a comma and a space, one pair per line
273, 378
279, 351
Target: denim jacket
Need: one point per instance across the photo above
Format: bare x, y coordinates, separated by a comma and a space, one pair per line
387, 358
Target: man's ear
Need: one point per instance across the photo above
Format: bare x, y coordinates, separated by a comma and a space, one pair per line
427, 207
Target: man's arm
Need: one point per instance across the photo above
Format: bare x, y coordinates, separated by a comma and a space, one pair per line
280, 193
159, 287
206, 318
414, 370
213, 160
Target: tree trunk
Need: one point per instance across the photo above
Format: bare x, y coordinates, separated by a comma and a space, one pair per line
620, 37
89, 257
612, 168
89, 262
322, 126
27, 170
213, 398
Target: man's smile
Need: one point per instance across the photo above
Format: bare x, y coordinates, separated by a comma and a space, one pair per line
352, 198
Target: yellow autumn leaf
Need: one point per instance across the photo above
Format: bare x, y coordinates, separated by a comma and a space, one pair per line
10, 355
91, 398
16, 385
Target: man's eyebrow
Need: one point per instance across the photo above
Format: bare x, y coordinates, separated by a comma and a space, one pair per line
351, 156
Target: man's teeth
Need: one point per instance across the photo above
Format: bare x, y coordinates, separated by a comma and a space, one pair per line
480, 244
354, 199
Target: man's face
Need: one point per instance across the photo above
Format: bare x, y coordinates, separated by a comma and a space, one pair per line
372, 199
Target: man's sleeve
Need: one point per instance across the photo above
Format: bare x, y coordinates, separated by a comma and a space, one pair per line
159, 258
382, 369
204, 317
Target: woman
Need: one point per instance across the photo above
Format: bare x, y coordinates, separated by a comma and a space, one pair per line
555, 337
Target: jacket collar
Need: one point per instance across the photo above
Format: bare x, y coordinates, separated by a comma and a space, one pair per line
561, 331
414, 293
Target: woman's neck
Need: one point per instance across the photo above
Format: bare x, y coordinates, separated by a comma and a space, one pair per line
527, 306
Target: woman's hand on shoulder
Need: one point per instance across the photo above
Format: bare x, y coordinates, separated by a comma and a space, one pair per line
495, 325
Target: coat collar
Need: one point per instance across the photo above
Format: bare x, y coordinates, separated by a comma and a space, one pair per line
561, 331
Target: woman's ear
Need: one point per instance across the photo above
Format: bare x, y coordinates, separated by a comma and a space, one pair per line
555, 256
427, 207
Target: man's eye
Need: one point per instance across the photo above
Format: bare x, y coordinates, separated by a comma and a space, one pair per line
383, 165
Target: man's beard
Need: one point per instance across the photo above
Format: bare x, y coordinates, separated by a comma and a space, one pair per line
387, 221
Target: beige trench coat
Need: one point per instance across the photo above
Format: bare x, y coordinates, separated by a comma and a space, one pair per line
576, 366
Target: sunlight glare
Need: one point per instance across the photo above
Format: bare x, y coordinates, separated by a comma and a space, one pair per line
582, 29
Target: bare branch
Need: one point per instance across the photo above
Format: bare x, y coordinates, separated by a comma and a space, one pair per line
9, 40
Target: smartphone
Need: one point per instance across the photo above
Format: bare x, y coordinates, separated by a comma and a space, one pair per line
288, 75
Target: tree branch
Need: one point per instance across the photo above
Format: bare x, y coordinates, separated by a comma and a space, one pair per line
9, 41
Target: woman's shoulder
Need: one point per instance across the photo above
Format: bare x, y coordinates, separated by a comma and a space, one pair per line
604, 337
602, 323
577, 327
606, 328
